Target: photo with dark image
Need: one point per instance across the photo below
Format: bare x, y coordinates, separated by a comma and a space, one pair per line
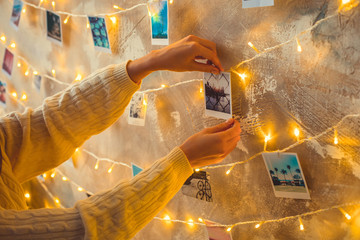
7, 65
53, 22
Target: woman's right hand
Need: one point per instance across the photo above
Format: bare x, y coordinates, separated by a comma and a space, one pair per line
213, 144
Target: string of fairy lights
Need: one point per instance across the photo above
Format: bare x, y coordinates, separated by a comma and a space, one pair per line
345, 5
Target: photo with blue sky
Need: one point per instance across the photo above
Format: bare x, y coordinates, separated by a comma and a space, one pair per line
159, 19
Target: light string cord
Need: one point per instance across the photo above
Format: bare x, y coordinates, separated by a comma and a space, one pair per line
49, 193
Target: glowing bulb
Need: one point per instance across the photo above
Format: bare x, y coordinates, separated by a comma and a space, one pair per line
348, 217
149, 13
53, 72
66, 19
163, 85
299, 48
228, 229
297, 132
113, 19
80, 189
64, 178
201, 90
41, 1
53, 175
253, 47
27, 195
167, 217
87, 25
13, 45
242, 76
23, 97
200, 220
14, 94
57, 200
117, 7
144, 102
258, 225
78, 77
44, 175
336, 140
301, 225
19, 64
53, 4
3, 38
228, 172
35, 73
111, 168
97, 165
197, 170
191, 222
346, 1
267, 138
24, 10
171, 1
27, 73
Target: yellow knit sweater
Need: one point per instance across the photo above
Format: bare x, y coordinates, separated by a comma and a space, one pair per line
39, 140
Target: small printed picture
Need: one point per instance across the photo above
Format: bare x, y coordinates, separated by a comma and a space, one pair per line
159, 22
137, 109
7, 65
218, 95
3, 94
286, 175
135, 169
198, 186
37, 82
257, 3
216, 233
53, 25
16, 13
99, 34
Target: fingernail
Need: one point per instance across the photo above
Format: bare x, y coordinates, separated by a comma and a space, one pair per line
215, 71
229, 120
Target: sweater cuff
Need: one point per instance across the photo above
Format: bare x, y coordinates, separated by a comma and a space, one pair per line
122, 77
180, 164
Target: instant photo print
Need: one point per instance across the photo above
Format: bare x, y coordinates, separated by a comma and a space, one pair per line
3, 94
99, 34
53, 26
16, 13
7, 65
286, 175
159, 22
257, 3
198, 186
37, 82
137, 109
216, 233
218, 95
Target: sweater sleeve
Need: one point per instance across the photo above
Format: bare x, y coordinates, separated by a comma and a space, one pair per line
118, 213
41, 139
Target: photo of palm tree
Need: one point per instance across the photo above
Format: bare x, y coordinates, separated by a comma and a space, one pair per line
286, 175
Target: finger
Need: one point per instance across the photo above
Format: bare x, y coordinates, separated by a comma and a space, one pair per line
208, 54
231, 132
202, 67
220, 127
206, 43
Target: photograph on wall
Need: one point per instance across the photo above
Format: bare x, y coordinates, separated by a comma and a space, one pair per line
218, 95
7, 65
53, 26
135, 170
286, 175
37, 82
3, 94
198, 186
16, 13
99, 34
137, 109
257, 3
216, 233
159, 22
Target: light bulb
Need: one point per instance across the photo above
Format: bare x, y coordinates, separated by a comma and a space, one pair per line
3, 38
97, 165
19, 64
14, 94
53, 175
35, 73
53, 72
64, 178
336, 140
113, 19
267, 138
27, 195
144, 102
27, 73
258, 225
66, 19
24, 10
197, 170
111, 168
299, 48
301, 224
253, 47
117, 7
191, 222
296, 132
347, 216
167, 217
171, 1
44, 175
87, 25
80, 189
23, 97
57, 200
13, 45
228, 229
78, 77
201, 90
163, 85
228, 172
200, 220
53, 4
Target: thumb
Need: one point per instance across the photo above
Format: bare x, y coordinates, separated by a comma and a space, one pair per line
220, 127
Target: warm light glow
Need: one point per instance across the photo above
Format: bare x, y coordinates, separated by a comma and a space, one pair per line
267, 138
144, 102
197, 170
24, 10
14, 94
78, 77
253, 47
35, 73
13, 45
297, 132
301, 225
27, 195
347, 5
201, 90
76, 150
348, 217
111, 168
80, 189
336, 140
44, 175
27, 73
228, 229
64, 178
200, 220
149, 13
87, 25
171, 1
242, 76
53, 4
53, 175
167, 217
57, 200
66, 19
23, 97
346, 1
228, 172
97, 165
299, 48
3, 38
53, 72
113, 19
191, 222
19, 64
117, 7
163, 85
257, 225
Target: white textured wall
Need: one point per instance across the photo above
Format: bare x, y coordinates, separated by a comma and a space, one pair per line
314, 90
